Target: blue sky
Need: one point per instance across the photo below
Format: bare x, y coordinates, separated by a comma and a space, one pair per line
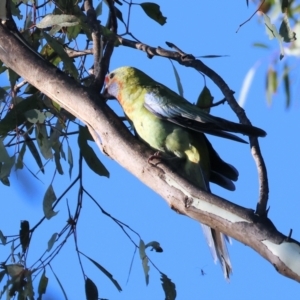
209, 28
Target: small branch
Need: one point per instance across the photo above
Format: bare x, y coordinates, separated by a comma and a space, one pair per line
96, 36
250, 16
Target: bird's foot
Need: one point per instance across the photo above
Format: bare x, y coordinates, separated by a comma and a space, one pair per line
161, 156
156, 155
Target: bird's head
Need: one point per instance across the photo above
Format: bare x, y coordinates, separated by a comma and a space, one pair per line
116, 80
121, 79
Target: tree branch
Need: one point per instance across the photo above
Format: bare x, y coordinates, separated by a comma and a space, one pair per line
240, 223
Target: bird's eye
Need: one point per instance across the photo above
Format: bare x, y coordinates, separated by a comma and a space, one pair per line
111, 75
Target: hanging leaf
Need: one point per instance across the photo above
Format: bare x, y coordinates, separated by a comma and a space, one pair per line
178, 81
144, 259
28, 288
117, 12
91, 290
24, 235
205, 99
15, 116
2, 239
70, 160
13, 77
152, 10
89, 155
261, 45
43, 141
14, 270
57, 161
271, 84
49, 199
168, 287
273, 33
98, 9
285, 30
102, 269
52, 241
35, 153
286, 82
19, 163
42, 285
5, 181
155, 246
6, 162
58, 48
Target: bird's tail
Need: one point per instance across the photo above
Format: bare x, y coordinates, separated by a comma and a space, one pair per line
216, 241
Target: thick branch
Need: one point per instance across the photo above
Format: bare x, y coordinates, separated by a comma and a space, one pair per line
240, 223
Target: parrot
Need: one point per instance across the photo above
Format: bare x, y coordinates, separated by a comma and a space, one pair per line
171, 125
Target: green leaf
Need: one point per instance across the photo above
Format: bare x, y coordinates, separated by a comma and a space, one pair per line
49, 199
103, 270
58, 48
261, 45
271, 84
3, 93
117, 12
57, 163
70, 160
33, 149
89, 155
52, 241
153, 11
155, 246
24, 235
61, 20
16, 116
2, 239
98, 9
43, 141
178, 81
168, 287
56, 145
272, 32
285, 30
42, 285
13, 77
28, 290
6, 162
73, 32
205, 99
286, 82
144, 259
14, 270
5, 181
35, 116
19, 163
91, 290
119, 15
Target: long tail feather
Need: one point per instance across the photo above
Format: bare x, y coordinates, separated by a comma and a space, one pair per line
217, 245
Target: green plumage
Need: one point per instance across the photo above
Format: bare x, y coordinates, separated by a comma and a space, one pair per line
170, 124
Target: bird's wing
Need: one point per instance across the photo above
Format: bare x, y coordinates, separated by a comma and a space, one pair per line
166, 104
